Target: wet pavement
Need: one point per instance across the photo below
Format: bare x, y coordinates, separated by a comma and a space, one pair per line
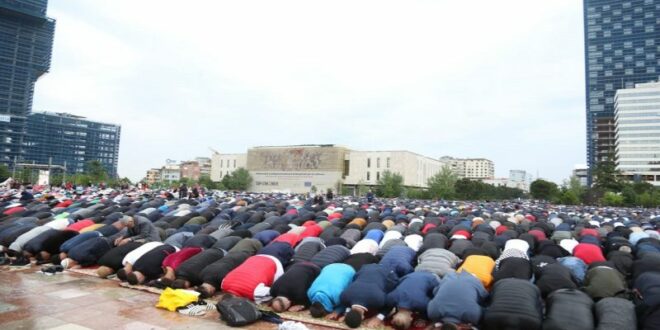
31, 300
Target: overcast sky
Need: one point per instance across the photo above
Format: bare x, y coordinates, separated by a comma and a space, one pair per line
503, 80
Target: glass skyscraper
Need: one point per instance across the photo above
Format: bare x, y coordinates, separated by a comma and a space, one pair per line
26, 40
65, 139
622, 48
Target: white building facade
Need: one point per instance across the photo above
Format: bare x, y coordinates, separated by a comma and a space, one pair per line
170, 173
297, 169
225, 164
637, 118
366, 167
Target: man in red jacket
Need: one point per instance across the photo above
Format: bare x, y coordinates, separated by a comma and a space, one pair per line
253, 278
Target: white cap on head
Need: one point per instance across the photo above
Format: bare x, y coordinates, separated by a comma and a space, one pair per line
568, 244
517, 244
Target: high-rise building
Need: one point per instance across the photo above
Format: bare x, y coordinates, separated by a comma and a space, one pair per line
153, 176
204, 166
26, 40
471, 168
622, 48
581, 172
65, 139
637, 113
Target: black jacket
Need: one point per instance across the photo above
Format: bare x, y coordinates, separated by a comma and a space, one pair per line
569, 309
515, 304
295, 282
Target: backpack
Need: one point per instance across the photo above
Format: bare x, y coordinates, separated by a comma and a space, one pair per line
237, 312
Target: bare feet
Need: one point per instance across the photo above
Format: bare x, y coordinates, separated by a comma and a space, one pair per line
334, 316
373, 322
296, 308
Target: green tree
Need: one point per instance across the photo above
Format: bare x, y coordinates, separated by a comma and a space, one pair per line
240, 179
576, 187
96, 172
205, 181
569, 197
630, 197
25, 175
361, 188
612, 199
226, 181
541, 189
187, 181
4, 172
120, 182
442, 184
606, 176
81, 179
466, 189
417, 193
56, 179
390, 185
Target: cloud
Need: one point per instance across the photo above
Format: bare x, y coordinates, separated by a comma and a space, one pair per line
501, 80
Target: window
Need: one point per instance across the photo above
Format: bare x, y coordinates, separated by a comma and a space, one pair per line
629, 71
378, 162
368, 164
627, 44
650, 69
388, 162
234, 163
368, 176
377, 175
649, 28
609, 87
